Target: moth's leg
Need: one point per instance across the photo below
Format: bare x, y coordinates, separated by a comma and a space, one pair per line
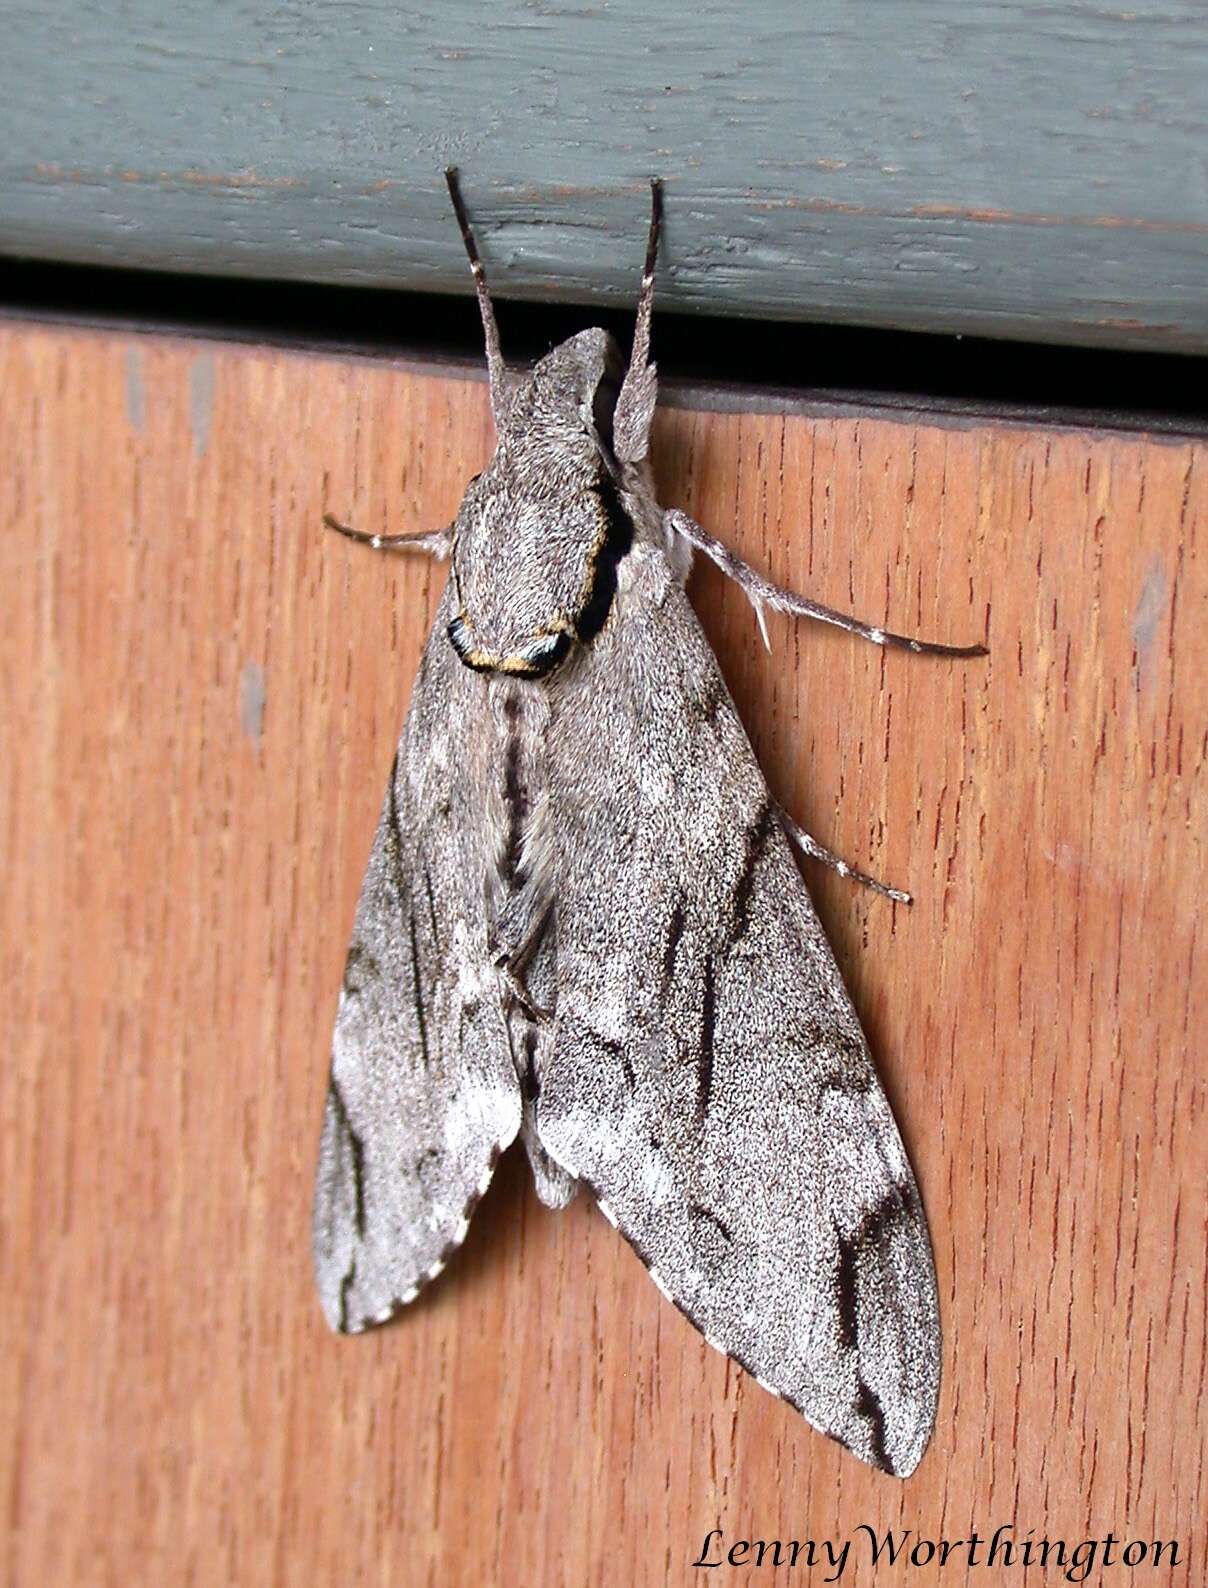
761, 592
810, 846
517, 994
436, 543
639, 390
515, 939
496, 372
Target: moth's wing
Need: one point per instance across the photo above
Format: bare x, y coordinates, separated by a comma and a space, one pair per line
423, 1094
709, 1079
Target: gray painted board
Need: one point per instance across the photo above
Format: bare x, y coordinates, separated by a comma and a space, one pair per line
1016, 169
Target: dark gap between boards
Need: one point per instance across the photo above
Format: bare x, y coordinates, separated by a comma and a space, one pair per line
735, 364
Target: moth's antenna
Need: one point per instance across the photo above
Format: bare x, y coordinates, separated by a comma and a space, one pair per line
496, 372
640, 355
639, 390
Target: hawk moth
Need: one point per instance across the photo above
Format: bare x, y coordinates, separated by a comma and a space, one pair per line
582, 924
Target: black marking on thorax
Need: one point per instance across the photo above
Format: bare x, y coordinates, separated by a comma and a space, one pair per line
601, 585
535, 658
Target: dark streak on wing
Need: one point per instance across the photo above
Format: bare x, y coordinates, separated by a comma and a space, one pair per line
616, 1051
628, 1068
747, 1366
467, 1013
396, 831
675, 931
712, 700
346, 1284
357, 1148
618, 538
358, 957
418, 992
703, 1213
868, 1404
432, 912
708, 1012
851, 1075
845, 1294
871, 1231
755, 838
396, 845
867, 1401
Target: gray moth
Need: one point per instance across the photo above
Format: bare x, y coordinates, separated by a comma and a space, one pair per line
582, 924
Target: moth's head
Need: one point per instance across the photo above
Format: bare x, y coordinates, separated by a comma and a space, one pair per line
540, 531
561, 413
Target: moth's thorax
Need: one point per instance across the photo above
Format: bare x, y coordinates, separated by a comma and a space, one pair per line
541, 530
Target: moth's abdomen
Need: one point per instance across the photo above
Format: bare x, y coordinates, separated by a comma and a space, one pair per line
553, 579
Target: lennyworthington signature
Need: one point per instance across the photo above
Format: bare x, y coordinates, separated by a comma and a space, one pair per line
1007, 1546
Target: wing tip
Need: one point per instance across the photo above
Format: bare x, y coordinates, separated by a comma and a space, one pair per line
336, 1287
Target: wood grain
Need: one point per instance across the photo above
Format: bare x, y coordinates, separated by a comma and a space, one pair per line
201, 694
1011, 168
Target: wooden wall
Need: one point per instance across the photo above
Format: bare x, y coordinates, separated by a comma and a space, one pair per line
201, 693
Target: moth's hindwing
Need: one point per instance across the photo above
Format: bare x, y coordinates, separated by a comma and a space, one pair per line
423, 1094
709, 1079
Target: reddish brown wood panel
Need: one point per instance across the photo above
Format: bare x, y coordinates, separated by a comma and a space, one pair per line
201, 694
